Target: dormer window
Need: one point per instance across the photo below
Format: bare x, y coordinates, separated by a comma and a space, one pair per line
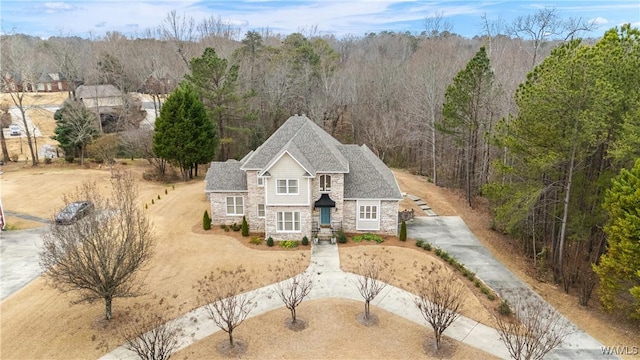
325, 183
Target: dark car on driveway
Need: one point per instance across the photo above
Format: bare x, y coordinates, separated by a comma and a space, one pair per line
74, 212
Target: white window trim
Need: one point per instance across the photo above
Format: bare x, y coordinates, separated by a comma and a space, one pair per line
260, 181
264, 211
368, 224
287, 187
293, 217
374, 215
325, 190
235, 205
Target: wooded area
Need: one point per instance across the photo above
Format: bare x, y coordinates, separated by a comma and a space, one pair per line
524, 114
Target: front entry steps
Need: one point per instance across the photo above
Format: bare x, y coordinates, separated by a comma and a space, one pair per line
325, 235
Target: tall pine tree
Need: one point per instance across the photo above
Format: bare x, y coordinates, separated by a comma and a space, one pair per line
619, 267
468, 116
564, 145
183, 134
216, 85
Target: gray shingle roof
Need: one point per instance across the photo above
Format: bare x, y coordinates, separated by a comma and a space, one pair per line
313, 146
366, 176
50, 77
369, 177
226, 176
97, 91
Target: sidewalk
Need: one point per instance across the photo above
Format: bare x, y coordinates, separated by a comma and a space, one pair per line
331, 282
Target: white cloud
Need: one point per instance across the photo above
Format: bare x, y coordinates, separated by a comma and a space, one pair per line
600, 21
53, 7
326, 16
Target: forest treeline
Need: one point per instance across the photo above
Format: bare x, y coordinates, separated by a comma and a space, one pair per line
526, 115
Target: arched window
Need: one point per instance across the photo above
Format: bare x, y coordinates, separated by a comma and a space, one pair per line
325, 183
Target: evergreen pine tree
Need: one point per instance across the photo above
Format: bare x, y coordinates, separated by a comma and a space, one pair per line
403, 231
206, 221
245, 227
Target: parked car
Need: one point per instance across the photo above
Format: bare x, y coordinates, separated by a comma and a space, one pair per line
14, 130
74, 212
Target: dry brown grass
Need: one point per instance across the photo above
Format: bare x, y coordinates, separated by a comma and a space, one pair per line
406, 262
39, 323
33, 99
333, 333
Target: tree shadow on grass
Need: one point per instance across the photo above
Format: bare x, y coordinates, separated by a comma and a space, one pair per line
299, 325
371, 321
447, 348
238, 349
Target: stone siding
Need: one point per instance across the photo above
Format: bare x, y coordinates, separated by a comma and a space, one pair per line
349, 216
389, 217
255, 197
219, 208
336, 194
305, 223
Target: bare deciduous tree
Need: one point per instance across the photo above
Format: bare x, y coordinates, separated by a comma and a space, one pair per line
436, 25
149, 333
375, 275
5, 120
228, 302
535, 330
100, 256
181, 31
296, 286
544, 25
20, 71
440, 298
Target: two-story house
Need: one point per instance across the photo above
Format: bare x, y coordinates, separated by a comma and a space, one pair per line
302, 180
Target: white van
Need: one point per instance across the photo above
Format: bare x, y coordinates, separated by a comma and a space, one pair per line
14, 130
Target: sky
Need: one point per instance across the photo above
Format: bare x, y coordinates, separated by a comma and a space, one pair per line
91, 19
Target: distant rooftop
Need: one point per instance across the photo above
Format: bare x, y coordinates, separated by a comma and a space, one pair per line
97, 91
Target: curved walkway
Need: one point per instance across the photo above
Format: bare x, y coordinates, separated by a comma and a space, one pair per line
331, 282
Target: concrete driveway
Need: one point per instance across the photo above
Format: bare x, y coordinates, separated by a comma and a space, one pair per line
451, 234
19, 253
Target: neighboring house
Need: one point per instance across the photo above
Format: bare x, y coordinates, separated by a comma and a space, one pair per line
52, 82
302, 181
12, 82
99, 97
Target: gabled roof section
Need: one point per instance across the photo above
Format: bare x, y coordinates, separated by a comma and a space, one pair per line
295, 154
369, 177
226, 176
306, 142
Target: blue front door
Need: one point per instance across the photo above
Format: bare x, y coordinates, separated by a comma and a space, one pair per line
325, 216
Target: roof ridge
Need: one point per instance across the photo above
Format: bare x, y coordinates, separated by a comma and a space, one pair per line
331, 142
